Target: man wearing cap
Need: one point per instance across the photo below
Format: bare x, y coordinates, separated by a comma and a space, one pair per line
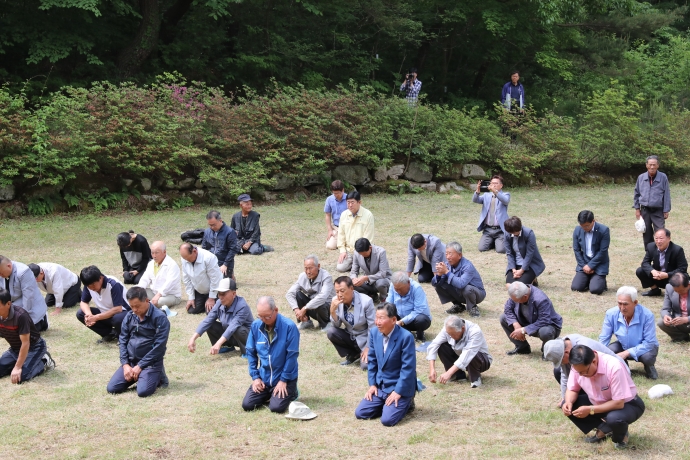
21, 282
428, 251
310, 296
557, 351
108, 293
335, 205
356, 222
461, 346
456, 280
201, 277
246, 224
272, 351
355, 312
162, 278
392, 370
62, 287
674, 319
372, 261
221, 241
228, 322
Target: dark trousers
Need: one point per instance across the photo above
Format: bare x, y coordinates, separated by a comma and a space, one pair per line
596, 284
615, 422
528, 277
420, 324
106, 326
33, 365
238, 339
676, 333
256, 249
545, 334
653, 221
128, 278
344, 344
390, 415
469, 295
199, 303
42, 325
321, 314
492, 237
253, 400
71, 298
378, 288
149, 379
480, 363
648, 359
647, 280
425, 273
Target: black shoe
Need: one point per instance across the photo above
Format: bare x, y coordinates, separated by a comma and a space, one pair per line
535, 283
519, 351
412, 406
268, 248
474, 312
164, 382
595, 439
350, 359
623, 444
108, 338
651, 373
456, 309
652, 293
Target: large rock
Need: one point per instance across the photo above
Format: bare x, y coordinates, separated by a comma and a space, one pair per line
317, 179
452, 172
7, 193
282, 182
146, 184
450, 187
186, 183
418, 172
127, 182
352, 174
473, 171
394, 172
428, 187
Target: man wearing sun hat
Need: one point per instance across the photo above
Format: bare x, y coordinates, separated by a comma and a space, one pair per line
246, 224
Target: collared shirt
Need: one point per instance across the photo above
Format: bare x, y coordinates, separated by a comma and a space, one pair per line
354, 227
490, 219
411, 305
638, 337
683, 300
237, 315
111, 295
165, 280
412, 91
57, 280
25, 293
386, 339
471, 343
516, 249
588, 242
17, 323
654, 194
335, 208
610, 383
464, 273
320, 290
203, 276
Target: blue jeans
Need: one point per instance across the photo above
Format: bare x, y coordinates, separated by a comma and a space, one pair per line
149, 379
33, 365
390, 415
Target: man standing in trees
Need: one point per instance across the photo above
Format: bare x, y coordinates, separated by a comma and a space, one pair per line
411, 86
513, 94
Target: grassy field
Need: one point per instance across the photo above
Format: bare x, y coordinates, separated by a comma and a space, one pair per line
67, 413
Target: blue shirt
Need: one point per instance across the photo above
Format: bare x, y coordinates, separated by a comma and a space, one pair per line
638, 337
460, 276
335, 208
411, 305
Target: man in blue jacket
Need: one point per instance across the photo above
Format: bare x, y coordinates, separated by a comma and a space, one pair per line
459, 282
513, 94
143, 341
411, 304
392, 370
272, 350
221, 241
591, 246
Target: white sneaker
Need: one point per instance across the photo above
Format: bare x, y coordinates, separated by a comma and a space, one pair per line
49, 362
477, 383
306, 325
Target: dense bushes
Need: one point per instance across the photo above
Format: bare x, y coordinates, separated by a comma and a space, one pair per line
172, 129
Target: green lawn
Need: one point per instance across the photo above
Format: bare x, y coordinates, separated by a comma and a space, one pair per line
67, 413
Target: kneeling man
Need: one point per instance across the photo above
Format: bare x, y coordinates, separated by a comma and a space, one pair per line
162, 278
310, 296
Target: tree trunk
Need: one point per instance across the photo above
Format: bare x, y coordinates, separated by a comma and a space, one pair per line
135, 54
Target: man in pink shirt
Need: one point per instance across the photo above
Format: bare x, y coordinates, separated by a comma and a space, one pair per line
610, 402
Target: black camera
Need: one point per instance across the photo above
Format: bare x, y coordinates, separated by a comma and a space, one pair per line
484, 186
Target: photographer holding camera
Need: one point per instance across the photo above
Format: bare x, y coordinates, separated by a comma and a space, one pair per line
494, 203
411, 86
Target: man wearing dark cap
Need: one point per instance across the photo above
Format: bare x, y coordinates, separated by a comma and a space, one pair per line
228, 322
246, 224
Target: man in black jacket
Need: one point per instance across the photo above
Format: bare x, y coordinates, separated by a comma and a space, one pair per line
135, 253
246, 224
221, 241
662, 260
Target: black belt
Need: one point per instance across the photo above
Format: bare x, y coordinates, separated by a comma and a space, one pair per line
493, 227
649, 208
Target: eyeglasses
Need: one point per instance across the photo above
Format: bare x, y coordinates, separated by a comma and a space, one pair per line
588, 368
266, 316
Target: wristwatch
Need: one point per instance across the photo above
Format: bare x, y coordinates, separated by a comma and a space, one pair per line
591, 410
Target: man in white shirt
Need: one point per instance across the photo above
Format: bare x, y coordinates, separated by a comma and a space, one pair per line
162, 278
62, 287
201, 277
108, 294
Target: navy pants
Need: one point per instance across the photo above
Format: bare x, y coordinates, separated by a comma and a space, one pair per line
149, 379
106, 326
276, 404
33, 365
390, 415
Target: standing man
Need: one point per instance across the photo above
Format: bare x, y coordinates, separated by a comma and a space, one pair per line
591, 247
228, 322
429, 252
674, 319
28, 354
513, 94
372, 260
246, 224
335, 205
529, 311
634, 327
201, 277
356, 222
524, 260
652, 199
272, 351
143, 341
392, 370
458, 281
310, 296
108, 294
411, 86
135, 254
162, 278
221, 241
662, 259
494, 213
356, 313
411, 305
20, 281
62, 287
461, 346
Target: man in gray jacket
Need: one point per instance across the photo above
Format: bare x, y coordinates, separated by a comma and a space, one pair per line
674, 319
652, 199
20, 281
310, 296
372, 260
356, 313
429, 251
